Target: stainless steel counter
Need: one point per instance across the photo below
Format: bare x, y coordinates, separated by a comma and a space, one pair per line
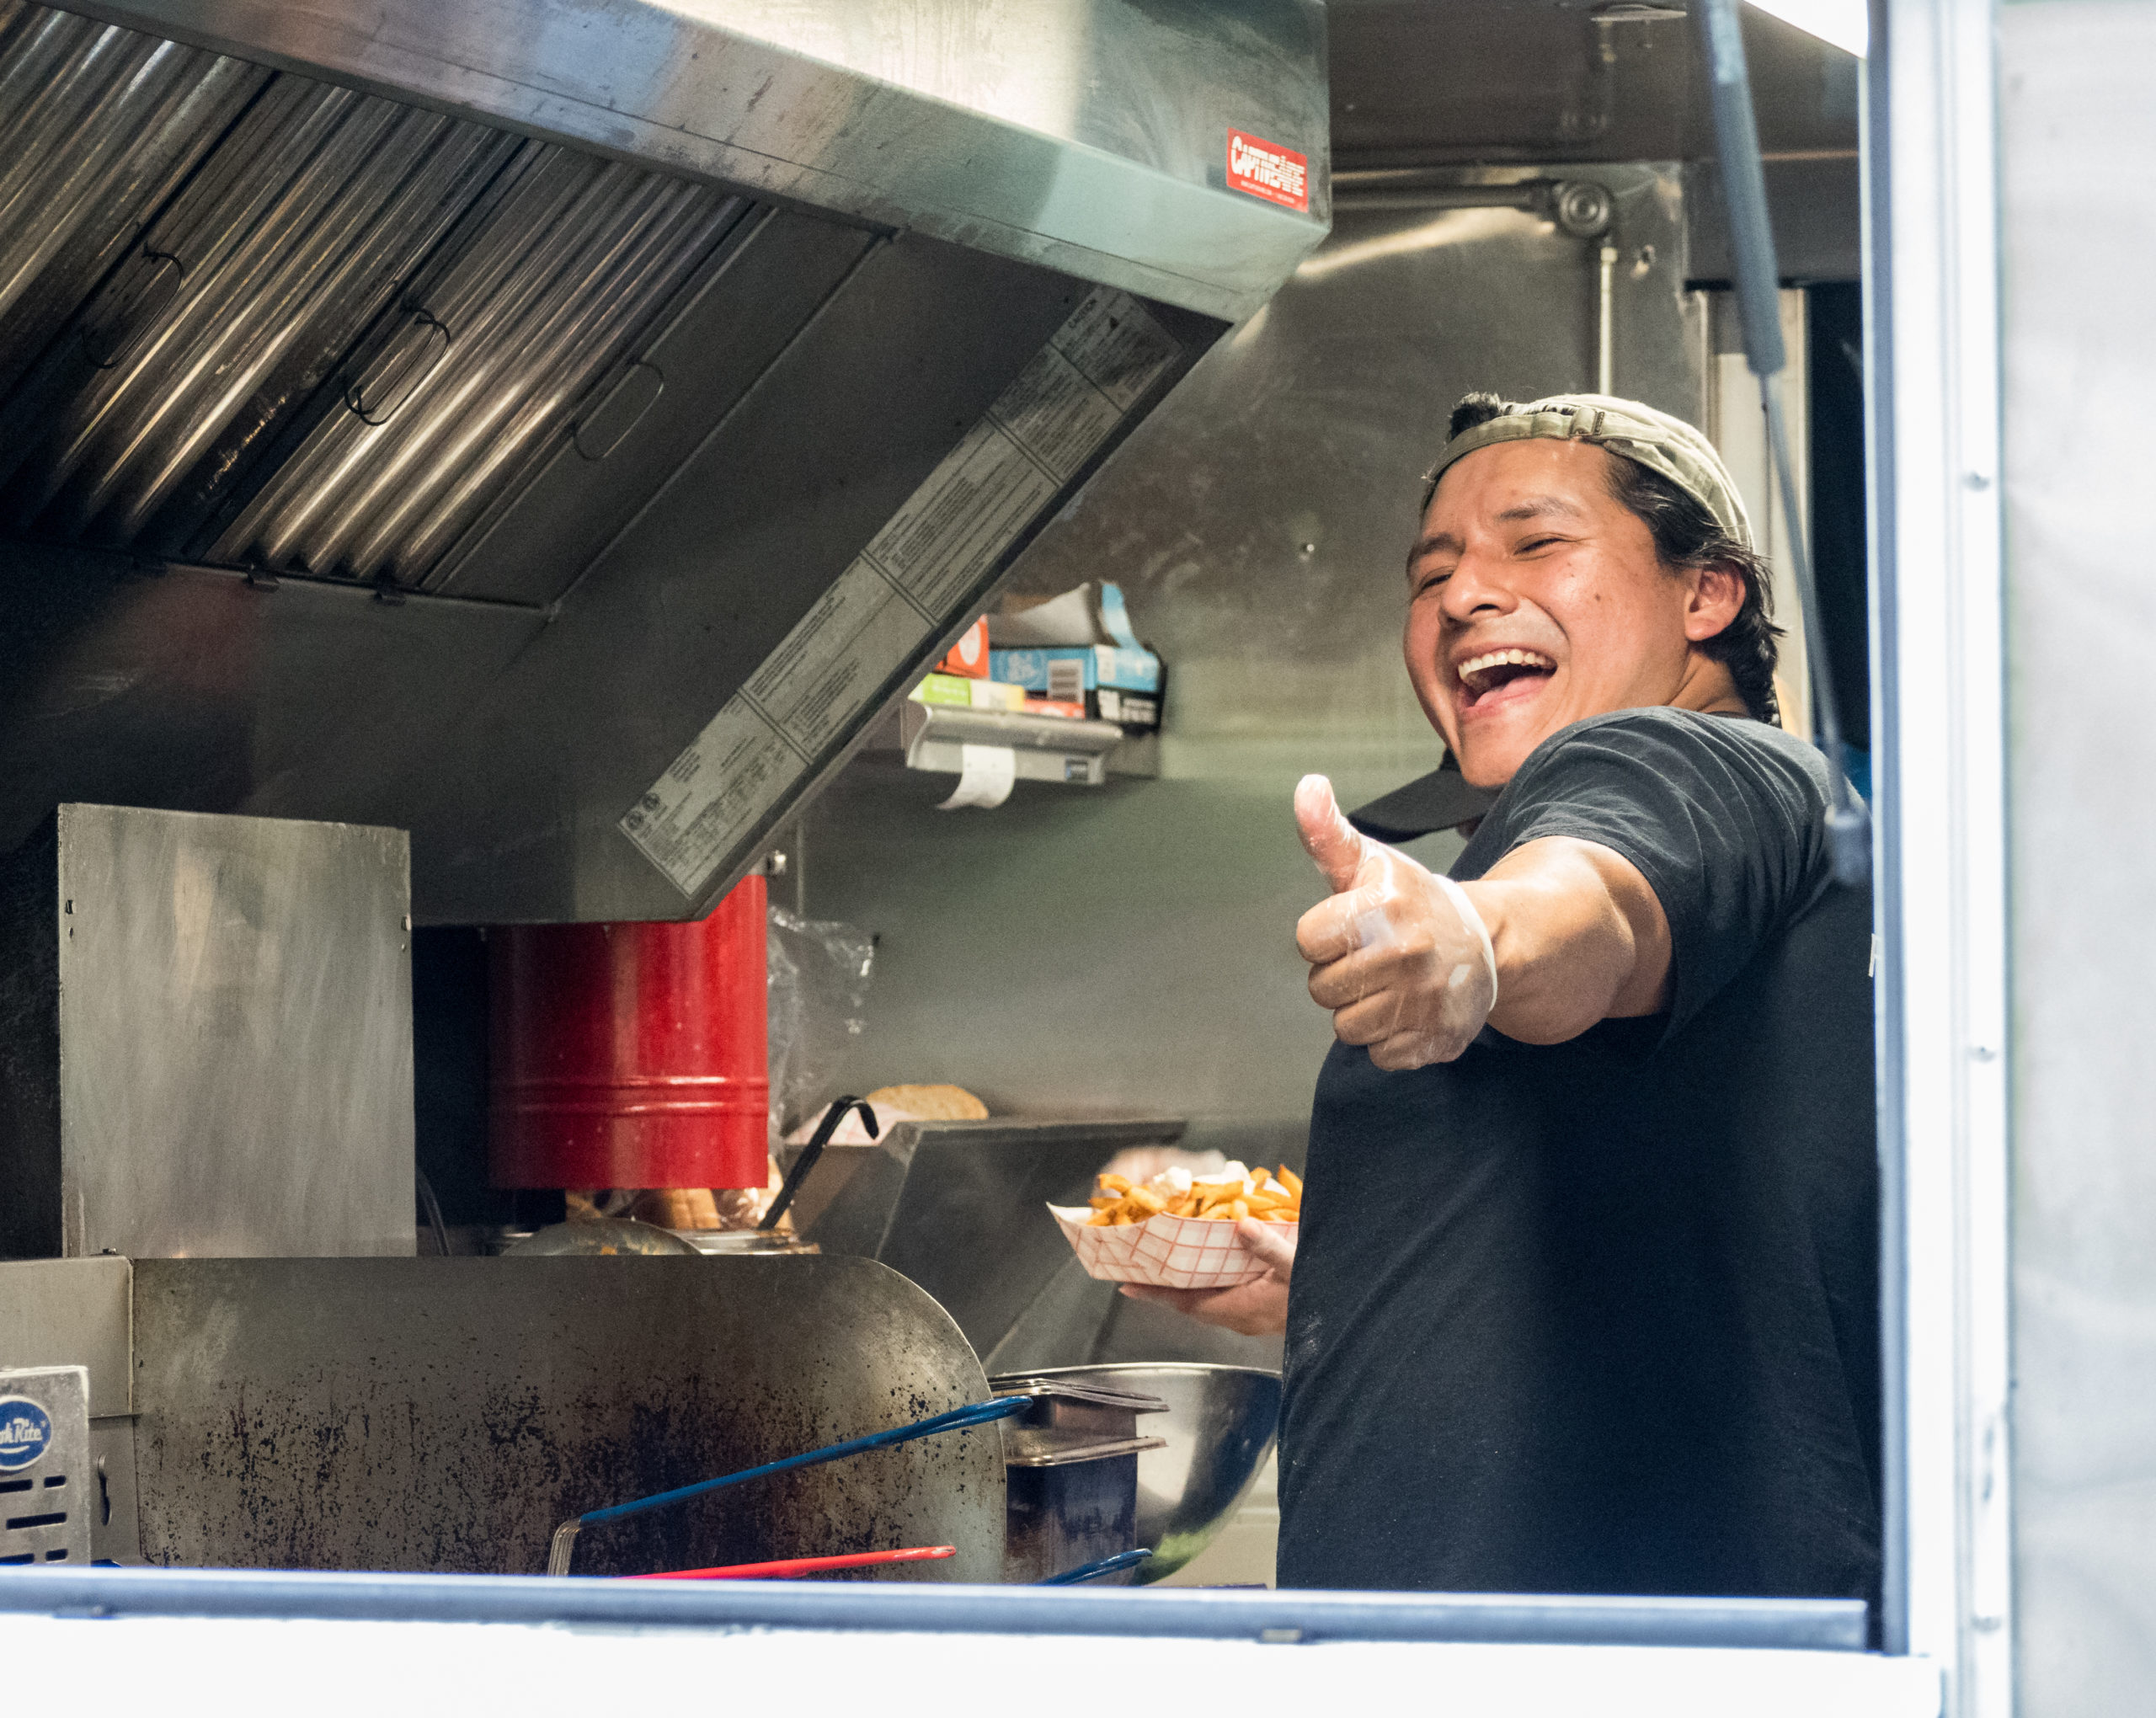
446, 1414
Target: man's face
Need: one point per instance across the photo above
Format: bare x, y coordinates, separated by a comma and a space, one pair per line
1536, 600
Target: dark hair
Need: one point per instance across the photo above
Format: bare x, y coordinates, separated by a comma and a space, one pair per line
1686, 535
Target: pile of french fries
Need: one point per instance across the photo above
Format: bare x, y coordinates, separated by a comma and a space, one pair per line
1269, 1196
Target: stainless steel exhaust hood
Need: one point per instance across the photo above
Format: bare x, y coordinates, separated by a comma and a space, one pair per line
558, 426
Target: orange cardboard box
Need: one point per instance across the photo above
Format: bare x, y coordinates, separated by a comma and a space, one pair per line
969, 655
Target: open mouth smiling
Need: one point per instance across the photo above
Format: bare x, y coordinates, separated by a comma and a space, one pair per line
1494, 677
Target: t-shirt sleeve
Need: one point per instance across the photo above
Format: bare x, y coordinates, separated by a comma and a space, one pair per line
1726, 826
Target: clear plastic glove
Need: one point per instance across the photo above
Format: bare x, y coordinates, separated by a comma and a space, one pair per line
1254, 1309
1399, 954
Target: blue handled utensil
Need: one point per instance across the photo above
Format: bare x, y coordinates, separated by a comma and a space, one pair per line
1093, 1572
564, 1546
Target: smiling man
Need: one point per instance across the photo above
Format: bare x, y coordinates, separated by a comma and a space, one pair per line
1586, 1295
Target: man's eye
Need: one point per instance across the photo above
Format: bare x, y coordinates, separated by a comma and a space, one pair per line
1533, 544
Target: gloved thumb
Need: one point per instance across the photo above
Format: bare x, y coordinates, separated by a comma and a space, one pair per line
1327, 836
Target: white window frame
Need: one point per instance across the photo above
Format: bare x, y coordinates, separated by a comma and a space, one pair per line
1938, 725
1939, 708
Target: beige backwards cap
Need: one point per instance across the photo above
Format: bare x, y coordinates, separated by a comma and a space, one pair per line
1664, 445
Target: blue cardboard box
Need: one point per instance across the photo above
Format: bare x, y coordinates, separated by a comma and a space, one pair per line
1072, 671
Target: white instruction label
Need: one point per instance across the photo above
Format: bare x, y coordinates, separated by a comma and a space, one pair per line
950, 530
1116, 345
861, 631
903, 591
730, 776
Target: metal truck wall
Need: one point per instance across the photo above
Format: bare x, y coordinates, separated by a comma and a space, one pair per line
366, 459
2080, 367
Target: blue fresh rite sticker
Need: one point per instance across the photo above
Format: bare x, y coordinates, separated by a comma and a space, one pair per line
25, 1433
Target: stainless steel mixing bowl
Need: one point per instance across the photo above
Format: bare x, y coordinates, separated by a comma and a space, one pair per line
1219, 1428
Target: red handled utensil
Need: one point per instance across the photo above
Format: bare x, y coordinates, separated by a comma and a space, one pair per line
789, 1568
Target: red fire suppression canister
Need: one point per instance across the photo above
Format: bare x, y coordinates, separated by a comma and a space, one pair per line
630, 1055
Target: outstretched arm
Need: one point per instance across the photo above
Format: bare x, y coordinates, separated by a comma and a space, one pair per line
1558, 935
1579, 938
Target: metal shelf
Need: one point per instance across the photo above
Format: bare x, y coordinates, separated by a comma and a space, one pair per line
1046, 748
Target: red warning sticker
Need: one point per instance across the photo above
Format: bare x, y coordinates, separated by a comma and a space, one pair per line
1267, 170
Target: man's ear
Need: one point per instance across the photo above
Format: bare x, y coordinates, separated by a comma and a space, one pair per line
1717, 597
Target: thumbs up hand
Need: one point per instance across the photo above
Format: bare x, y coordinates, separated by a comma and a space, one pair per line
1399, 954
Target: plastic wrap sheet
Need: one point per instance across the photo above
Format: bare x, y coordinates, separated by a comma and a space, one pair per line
820, 970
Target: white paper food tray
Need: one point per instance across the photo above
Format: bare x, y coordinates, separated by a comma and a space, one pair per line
1169, 1252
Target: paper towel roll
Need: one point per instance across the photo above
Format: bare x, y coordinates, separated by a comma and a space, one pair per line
985, 773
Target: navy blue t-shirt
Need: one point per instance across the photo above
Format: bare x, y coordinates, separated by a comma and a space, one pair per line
1602, 1316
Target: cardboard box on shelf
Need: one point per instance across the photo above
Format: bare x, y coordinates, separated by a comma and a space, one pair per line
968, 694
1079, 649
968, 658
1071, 671
1091, 614
1071, 709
